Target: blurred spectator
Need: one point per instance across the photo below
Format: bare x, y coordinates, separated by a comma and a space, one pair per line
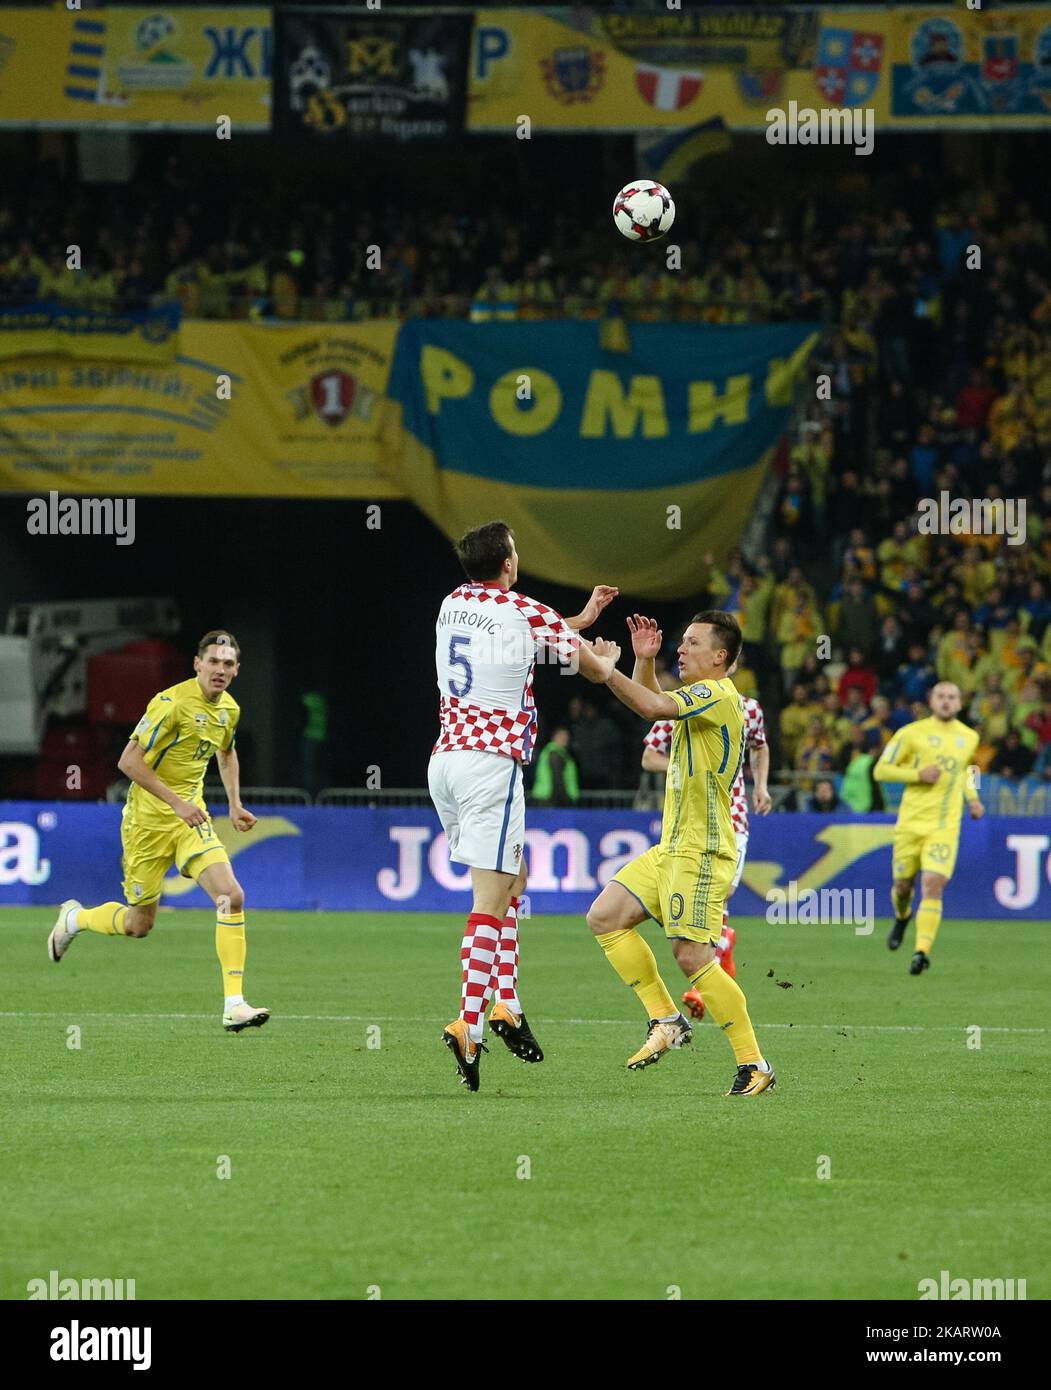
857, 788
1037, 608
1013, 758
314, 746
824, 799
598, 748
859, 676
901, 714
815, 752
1038, 723
857, 623
917, 676
878, 727
890, 652
556, 782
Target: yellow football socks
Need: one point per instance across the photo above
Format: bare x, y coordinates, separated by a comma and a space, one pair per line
107, 919
725, 1001
928, 920
634, 962
231, 948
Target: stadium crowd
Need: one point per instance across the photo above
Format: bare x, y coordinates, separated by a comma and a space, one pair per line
939, 381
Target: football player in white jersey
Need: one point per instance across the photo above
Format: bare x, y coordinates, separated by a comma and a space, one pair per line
655, 759
489, 638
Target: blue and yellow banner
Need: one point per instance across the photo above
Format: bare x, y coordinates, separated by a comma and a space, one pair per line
971, 67
630, 462
134, 335
174, 68
296, 859
630, 465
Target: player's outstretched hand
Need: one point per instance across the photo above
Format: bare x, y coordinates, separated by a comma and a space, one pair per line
191, 814
241, 819
602, 595
977, 810
608, 653
762, 803
930, 773
646, 636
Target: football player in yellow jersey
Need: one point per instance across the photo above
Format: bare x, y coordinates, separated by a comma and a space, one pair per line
166, 822
683, 881
933, 756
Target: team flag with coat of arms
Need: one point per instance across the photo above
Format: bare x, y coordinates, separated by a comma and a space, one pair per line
848, 65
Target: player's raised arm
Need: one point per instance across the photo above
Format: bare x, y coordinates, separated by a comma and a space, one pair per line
602, 595
646, 639
595, 665
651, 704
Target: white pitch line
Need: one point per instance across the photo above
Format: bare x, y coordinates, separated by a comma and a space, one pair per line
607, 1022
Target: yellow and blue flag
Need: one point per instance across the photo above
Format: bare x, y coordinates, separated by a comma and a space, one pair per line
668, 156
626, 466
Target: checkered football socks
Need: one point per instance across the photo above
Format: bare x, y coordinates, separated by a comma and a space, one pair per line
478, 953
506, 981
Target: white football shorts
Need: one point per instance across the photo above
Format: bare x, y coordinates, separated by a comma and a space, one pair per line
481, 805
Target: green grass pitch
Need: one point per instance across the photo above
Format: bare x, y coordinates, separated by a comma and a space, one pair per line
354, 1167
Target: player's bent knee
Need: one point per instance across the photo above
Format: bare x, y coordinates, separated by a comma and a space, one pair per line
692, 956
607, 913
228, 895
599, 919
932, 886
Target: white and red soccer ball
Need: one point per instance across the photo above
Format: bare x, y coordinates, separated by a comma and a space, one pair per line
643, 210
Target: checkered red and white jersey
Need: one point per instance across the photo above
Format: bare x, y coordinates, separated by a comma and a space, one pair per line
488, 640
659, 739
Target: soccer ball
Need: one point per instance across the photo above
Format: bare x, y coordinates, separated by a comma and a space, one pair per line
643, 210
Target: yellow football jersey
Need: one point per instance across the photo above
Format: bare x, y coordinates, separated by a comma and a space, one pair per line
927, 806
707, 745
178, 735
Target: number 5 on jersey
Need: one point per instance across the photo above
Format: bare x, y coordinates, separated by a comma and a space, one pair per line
459, 658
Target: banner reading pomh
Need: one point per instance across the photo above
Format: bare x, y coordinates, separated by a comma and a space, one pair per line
630, 464
372, 74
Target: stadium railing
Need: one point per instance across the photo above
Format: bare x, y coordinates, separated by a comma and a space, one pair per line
420, 796
215, 792
1001, 796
